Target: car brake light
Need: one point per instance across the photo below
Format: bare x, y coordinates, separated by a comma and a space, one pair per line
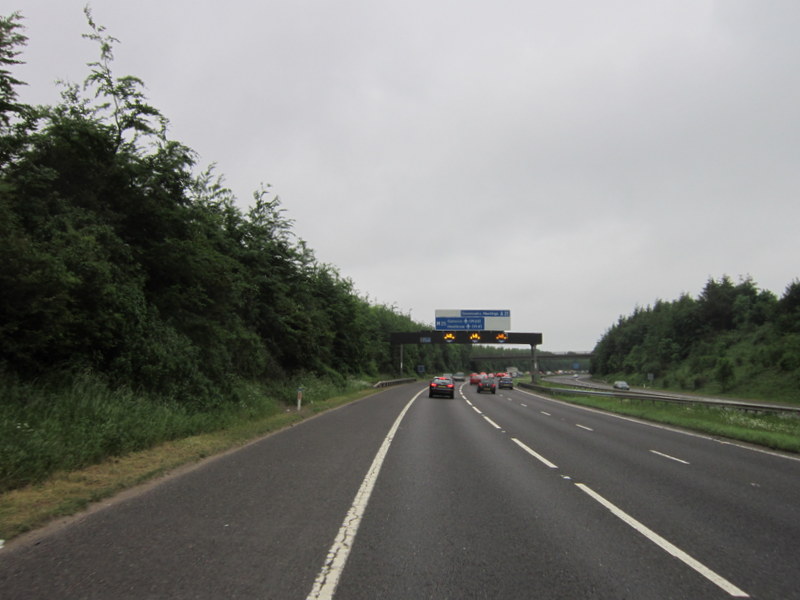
450, 385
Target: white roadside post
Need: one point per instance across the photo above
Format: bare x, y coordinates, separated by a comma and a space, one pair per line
299, 397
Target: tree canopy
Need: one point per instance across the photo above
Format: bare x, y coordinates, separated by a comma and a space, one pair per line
695, 338
120, 258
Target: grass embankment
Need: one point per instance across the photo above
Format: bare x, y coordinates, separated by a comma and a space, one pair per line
34, 493
745, 382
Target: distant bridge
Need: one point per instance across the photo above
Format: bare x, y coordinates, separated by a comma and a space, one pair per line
543, 361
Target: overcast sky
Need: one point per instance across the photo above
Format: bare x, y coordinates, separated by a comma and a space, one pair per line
565, 160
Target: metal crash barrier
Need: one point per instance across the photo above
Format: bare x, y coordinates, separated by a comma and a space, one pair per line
390, 382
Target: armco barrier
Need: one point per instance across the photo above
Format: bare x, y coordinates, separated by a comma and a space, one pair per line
657, 397
389, 382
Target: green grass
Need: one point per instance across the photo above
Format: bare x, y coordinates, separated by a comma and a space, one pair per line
748, 382
62, 427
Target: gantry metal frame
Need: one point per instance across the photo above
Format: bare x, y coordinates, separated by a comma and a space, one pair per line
467, 337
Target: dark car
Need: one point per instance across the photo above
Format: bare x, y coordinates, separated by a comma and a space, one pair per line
487, 384
442, 386
505, 382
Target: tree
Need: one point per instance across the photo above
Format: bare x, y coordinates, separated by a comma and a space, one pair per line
123, 99
11, 38
724, 373
716, 304
788, 308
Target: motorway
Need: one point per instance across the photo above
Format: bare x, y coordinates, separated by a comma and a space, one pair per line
511, 495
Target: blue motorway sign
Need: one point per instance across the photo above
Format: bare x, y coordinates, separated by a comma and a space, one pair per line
485, 313
478, 320
459, 323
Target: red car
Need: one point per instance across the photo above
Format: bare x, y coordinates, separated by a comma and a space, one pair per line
474, 378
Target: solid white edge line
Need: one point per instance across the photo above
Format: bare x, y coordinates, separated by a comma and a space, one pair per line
713, 577
328, 578
680, 460
534, 454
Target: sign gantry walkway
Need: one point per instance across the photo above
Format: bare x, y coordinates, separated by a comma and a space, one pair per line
467, 337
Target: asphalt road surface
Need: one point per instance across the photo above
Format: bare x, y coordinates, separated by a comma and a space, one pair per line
510, 495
